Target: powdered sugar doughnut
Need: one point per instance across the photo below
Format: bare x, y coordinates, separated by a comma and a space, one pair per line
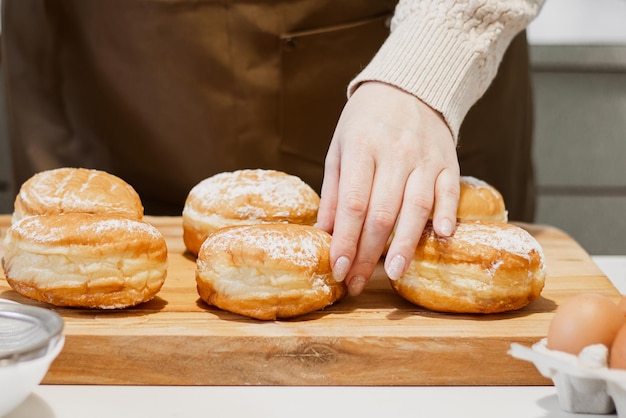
67, 190
267, 271
484, 267
85, 260
246, 197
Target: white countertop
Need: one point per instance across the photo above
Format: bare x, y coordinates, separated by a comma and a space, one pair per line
293, 402
65, 401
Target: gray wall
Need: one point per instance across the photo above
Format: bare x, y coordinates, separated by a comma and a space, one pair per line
580, 143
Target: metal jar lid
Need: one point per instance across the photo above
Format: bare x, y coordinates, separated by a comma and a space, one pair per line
27, 332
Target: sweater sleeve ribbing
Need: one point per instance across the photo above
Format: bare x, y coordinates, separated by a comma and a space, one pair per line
447, 52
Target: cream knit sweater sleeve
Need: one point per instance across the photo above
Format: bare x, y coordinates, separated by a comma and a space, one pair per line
447, 52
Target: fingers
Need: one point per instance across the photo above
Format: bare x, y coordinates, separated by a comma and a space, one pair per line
353, 201
420, 197
416, 209
384, 203
447, 189
330, 187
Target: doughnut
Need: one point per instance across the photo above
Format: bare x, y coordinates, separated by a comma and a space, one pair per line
246, 197
484, 267
66, 190
481, 201
267, 271
85, 260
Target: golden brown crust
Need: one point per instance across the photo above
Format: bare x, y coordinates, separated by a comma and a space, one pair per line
267, 271
194, 237
85, 260
481, 201
485, 267
67, 190
246, 197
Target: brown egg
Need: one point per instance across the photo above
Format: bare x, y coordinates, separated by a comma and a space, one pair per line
617, 356
585, 319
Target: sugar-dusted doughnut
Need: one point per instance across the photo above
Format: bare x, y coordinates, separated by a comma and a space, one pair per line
85, 260
246, 197
484, 267
267, 271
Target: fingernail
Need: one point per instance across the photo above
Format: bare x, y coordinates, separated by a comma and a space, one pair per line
446, 227
356, 285
396, 267
341, 267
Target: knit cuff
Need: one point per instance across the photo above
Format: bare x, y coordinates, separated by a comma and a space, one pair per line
438, 64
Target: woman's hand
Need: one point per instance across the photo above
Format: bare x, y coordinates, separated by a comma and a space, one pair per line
391, 160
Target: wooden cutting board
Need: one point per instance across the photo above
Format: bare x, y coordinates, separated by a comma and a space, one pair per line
376, 338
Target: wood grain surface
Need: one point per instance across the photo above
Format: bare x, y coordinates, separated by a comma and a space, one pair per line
376, 338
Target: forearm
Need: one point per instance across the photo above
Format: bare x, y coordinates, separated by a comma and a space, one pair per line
447, 52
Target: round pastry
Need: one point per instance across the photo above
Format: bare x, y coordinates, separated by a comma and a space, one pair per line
480, 200
484, 267
85, 260
246, 197
267, 271
67, 190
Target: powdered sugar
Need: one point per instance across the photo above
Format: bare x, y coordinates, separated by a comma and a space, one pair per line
494, 267
478, 184
40, 229
102, 226
254, 190
473, 181
509, 238
274, 243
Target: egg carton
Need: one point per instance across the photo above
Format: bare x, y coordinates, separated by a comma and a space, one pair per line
584, 383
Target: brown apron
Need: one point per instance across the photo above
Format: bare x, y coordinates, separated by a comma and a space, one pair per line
167, 93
